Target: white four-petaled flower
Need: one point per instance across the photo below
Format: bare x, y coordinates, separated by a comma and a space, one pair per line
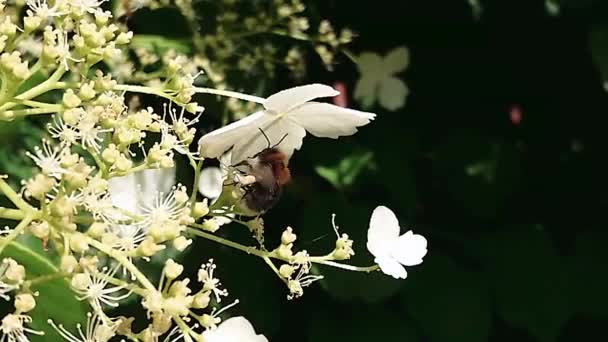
235, 329
378, 80
286, 117
392, 251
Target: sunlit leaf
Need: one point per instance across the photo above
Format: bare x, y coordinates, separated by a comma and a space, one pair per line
55, 300
345, 173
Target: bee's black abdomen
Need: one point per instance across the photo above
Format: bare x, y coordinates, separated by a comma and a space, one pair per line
259, 198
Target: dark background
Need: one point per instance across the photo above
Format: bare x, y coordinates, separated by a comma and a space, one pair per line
517, 250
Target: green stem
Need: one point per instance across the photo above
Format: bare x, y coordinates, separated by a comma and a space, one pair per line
11, 214
45, 278
15, 232
13, 197
228, 93
366, 269
225, 242
50, 84
122, 259
100, 164
143, 90
197, 172
263, 254
274, 268
33, 111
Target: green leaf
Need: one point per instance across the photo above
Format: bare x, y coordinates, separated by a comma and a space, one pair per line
56, 300
161, 44
345, 173
588, 278
460, 311
598, 41
529, 280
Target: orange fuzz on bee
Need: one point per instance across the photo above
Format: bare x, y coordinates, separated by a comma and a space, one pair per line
269, 167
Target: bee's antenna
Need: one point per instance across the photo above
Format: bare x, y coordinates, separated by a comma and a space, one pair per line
281, 140
265, 136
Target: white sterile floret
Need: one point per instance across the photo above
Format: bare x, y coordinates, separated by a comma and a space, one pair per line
378, 81
390, 250
211, 182
138, 189
232, 330
286, 117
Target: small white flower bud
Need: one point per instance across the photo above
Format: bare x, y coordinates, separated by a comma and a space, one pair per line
288, 236
97, 229
40, 229
167, 162
181, 196
15, 273
24, 302
70, 99
153, 302
81, 281
110, 154
200, 209
181, 243
123, 38
89, 263
78, 243
211, 225
286, 270
148, 247
68, 264
201, 300
284, 251
295, 288
161, 322
123, 163
30, 23
173, 269
87, 91
177, 306
69, 160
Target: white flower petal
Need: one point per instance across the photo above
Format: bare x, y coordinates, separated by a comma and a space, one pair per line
275, 130
211, 181
392, 93
325, 120
214, 144
286, 100
397, 60
155, 180
123, 192
365, 90
383, 224
139, 189
409, 249
235, 329
370, 63
391, 267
